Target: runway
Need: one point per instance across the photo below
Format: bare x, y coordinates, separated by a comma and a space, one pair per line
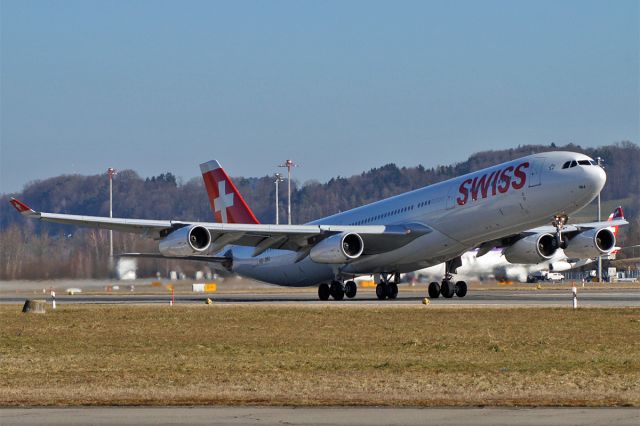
318, 416
603, 297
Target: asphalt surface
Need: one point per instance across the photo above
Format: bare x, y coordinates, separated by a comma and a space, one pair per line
319, 416
603, 297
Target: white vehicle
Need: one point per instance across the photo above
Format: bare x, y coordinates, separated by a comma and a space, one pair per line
489, 208
553, 276
494, 264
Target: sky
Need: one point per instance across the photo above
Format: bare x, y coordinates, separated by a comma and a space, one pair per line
337, 86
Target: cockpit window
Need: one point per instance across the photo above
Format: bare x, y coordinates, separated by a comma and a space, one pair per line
574, 163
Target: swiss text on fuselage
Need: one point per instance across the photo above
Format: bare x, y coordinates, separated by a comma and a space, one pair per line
490, 184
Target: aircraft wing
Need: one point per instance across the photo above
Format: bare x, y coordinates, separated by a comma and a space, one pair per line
578, 227
376, 238
570, 229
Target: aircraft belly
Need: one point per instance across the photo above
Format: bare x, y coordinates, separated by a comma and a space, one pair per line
279, 267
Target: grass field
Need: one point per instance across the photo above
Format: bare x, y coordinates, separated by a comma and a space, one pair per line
321, 355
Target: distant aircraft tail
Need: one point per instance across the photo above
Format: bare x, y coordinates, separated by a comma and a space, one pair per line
616, 214
227, 204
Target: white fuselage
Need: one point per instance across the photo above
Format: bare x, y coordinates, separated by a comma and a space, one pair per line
462, 212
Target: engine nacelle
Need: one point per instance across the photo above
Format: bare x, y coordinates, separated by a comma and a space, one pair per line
339, 248
592, 243
560, 266
186, 241
532, 249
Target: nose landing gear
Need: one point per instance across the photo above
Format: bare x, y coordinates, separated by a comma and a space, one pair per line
558, 222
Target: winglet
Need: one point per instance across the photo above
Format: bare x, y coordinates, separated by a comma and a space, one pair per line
23, 209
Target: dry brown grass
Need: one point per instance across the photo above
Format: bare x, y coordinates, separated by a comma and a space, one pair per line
416, 355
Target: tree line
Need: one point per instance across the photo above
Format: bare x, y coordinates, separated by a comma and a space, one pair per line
32, 250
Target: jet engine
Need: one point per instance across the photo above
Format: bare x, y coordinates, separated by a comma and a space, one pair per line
592, 243
560, 266
339, 248
531, 249
186, 241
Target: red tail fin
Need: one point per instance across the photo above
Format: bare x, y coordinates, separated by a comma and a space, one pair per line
227, 204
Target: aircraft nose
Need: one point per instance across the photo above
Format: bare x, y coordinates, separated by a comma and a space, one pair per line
595, 177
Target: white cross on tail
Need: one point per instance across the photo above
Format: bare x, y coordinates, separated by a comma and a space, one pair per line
223, 202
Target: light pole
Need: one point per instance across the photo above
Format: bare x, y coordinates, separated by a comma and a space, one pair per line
279, 179
289, 164
111, 172
599, 161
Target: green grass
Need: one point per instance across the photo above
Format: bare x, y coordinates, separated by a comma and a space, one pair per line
275, 355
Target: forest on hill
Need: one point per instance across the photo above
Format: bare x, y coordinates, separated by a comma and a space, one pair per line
32, 250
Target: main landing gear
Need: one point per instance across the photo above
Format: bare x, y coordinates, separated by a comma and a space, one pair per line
387, 287
337, 290
447, 288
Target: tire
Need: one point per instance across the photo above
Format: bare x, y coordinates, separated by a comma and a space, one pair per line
392, 290
461, 289
447, 289
434, 290
324, 291
350, 289
381, 291
337, 290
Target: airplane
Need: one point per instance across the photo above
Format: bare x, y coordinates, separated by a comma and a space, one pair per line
494, 264
438, 223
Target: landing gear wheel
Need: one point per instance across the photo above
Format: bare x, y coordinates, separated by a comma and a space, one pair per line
392, 290
434, 290
381, 291
461, 289
447, 289
337, 290
324, 291
350, 289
